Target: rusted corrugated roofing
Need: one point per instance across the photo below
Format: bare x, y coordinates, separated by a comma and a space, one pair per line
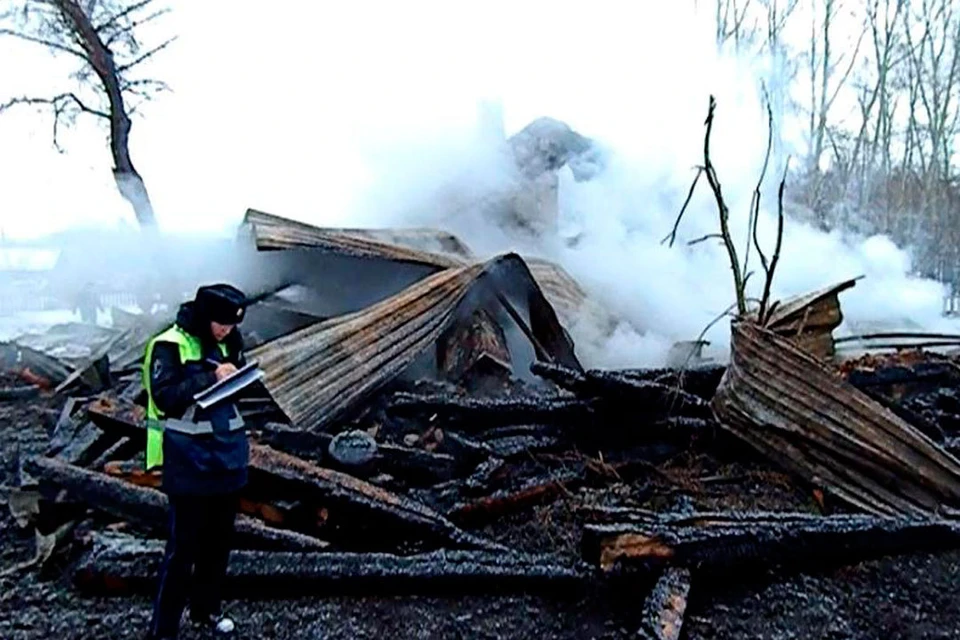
273, 232
320, 371
809, 319
786, 404
792, 311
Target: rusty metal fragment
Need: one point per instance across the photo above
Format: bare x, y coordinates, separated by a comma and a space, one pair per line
809, 319
784, 402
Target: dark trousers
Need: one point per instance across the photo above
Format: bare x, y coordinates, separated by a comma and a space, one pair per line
195, 562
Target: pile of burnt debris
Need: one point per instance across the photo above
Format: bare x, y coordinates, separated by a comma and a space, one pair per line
413, 424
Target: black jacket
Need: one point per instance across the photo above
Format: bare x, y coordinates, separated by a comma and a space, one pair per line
204, 464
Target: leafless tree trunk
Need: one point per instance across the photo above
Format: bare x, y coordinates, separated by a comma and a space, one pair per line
102, 36
825, 86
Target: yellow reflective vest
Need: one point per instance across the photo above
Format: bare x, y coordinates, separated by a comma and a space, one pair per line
190, 351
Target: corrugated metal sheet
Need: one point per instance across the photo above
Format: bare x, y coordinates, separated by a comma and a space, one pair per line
273, 232
319, 372
786, 404
818, 308
426, 246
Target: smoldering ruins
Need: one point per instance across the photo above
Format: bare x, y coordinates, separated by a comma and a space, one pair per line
425, 425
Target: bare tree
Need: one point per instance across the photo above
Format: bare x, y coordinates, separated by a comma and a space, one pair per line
735, 23
933, 33
103, 37
829, 72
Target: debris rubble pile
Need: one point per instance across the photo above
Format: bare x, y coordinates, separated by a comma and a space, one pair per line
436, 430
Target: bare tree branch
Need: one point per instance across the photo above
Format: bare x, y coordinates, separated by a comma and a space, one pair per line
149, 54
724, 213
762, 314
44, 42
102, 34
672, 236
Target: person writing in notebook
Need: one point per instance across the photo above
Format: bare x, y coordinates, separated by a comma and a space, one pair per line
203, 454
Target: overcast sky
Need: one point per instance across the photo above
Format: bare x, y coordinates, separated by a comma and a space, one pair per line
281, 108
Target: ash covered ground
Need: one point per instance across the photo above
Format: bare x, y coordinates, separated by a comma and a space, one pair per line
904, 597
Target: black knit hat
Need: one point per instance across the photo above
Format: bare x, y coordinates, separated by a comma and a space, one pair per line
220, 303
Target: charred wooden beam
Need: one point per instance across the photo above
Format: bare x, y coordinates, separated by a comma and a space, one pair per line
535, 492
467, 449
741, 542
119, 564
701, 381
662, 617
484, 476
65, 427
474, 414
513, 446
416, 465
148, 507
123, 449
627, 390
88, 442
119, 417
364, 499
296, 441
564, 377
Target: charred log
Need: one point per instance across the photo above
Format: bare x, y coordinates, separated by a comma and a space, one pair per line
485, 476
466, 449
512, 446
118, 564
359, 500
535, 492
416, 465
472, 414
688, 386
148, 507
756, 541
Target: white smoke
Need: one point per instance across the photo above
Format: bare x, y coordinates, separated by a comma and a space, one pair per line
380, 129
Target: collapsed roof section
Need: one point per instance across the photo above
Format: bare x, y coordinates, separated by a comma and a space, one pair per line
321, 371
395, 259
